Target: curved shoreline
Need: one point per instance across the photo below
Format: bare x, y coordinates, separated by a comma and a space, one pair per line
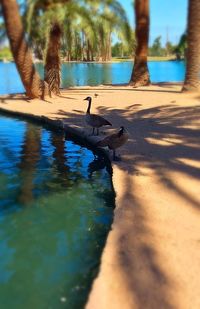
151, 257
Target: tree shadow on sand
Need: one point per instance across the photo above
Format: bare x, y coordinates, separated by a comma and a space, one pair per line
165, 139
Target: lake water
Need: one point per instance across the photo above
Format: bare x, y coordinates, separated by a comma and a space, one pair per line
56, 206
79, 74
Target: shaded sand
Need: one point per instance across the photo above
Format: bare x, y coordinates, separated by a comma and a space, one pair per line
152, 255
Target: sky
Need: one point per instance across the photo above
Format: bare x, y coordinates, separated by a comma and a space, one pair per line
168, 18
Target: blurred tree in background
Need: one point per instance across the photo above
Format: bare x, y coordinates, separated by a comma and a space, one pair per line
180, 49
87, 26
156, 48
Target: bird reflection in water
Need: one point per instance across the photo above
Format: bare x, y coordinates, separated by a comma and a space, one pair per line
99, 163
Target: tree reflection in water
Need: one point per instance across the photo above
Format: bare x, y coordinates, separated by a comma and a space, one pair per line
51, 247
30, 155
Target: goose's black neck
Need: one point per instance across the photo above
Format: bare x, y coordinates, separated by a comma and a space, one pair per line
89, 105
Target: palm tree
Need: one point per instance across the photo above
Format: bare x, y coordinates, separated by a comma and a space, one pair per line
192, 78
52, 62
78, 32
33, 85
47, 14
95, 29
86, 29
140, 73
112, 18
180, 49
51, 13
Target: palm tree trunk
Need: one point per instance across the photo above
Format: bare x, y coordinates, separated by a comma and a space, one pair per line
34, 86
92, 54
140, 73
109, 48
52, 62
192, 78
83, 45
88, 50
68, 55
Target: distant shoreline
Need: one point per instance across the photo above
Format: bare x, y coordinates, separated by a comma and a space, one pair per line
114, 60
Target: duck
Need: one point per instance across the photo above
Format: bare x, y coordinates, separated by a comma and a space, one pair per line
93, 120
114, 141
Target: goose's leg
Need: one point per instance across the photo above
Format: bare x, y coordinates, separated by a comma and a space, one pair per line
97, 131
93, 131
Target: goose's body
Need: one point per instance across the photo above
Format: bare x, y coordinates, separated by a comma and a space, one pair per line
114, 141
93, 120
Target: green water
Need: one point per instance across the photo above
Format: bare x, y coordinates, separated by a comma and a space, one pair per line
56, 205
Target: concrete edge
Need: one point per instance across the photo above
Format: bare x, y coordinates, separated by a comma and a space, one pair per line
75, 132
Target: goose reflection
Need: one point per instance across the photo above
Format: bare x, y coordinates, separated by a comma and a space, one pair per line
99, 163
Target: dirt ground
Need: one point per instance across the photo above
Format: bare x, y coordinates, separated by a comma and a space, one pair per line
152, 254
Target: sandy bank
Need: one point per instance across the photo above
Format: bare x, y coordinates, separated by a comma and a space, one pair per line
152, 256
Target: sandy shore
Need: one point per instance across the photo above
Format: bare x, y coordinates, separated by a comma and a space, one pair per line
152, 256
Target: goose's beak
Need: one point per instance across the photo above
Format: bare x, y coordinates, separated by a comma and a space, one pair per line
85, 99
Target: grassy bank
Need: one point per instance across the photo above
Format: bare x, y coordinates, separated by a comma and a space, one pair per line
5, 54
156, 58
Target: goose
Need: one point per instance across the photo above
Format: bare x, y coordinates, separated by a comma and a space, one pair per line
114, 141
95, 121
